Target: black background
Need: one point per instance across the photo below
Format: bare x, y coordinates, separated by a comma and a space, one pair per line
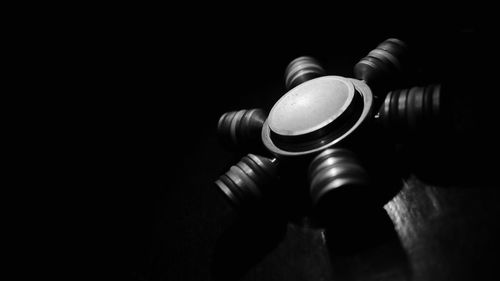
163, 82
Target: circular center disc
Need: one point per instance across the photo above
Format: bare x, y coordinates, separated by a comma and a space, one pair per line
311, 106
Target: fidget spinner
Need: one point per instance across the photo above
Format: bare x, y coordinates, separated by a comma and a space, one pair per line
318, 133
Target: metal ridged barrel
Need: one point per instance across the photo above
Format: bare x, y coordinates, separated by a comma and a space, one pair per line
382, 63
302, 69
411, 111
246, 182
241, 128
335, 169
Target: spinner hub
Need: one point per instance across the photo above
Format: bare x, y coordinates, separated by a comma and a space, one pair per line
316, 114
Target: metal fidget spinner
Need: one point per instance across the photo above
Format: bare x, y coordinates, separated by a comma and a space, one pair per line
319, 130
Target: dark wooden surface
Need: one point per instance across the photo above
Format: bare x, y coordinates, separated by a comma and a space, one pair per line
440, 225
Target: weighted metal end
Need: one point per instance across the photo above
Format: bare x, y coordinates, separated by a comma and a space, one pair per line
246, 182
241, 128
382, 63
302, 69
335, 169
411, 111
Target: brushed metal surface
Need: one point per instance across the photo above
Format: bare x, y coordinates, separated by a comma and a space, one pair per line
241, 128
311, 106
301, 70
244, 183
383, 63
330, 134
411, 112
333, 169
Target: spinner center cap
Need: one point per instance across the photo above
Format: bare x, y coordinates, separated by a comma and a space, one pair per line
311, 106
316, 114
